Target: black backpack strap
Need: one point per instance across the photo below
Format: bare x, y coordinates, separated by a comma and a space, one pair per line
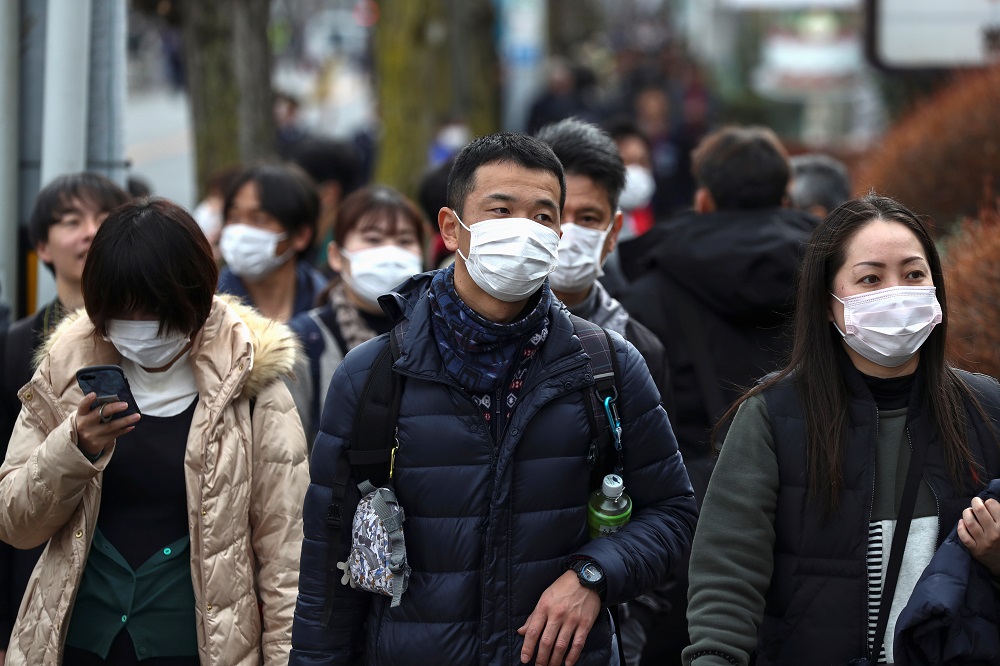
601, 402
371, 456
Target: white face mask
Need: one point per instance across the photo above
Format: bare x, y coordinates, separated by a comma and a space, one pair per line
639, 188
139, 342
888, 326
509, 258
378, 270
250, 252
580, 250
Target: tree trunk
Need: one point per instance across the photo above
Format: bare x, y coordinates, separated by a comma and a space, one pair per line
435, 61
252, 54
227, 66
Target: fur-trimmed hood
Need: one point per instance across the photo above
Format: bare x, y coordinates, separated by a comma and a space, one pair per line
238, 351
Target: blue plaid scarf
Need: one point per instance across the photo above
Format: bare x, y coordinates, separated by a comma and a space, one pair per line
478, 353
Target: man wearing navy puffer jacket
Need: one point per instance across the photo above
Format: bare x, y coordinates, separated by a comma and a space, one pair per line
493, 439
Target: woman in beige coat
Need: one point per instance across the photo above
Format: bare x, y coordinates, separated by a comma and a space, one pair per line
173, 534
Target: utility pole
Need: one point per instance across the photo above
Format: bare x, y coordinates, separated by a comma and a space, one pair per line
9, 67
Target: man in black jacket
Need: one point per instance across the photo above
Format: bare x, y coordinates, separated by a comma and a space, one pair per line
716, 287
591, 222
491, 467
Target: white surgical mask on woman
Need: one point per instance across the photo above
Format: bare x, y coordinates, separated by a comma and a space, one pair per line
580, 250
509, 258
250, 251
141, 343
888, 326
639, 188
377, 270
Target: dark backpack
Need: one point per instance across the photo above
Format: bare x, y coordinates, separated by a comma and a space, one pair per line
373, 442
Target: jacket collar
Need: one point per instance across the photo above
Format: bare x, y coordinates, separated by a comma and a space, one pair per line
410, 309
237, 352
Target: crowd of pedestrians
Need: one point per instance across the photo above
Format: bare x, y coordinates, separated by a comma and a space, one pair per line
373, 435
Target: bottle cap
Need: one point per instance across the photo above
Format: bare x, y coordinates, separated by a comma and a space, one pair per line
613, 486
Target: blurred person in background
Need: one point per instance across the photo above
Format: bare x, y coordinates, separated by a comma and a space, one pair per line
138, 187
570, 92
716, 286
208, 212
173, 533
636, 198
336, 169
591, 221
66, 216
432, 195
379, 241
640, 186
269, 224
288, 124
653, 115
865, 429
819, 183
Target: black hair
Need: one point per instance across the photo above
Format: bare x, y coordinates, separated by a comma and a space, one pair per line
150, 256
816, 371
330, 160
586, 150
521, 149
742, 168
432, 193
285, 191
818, 180
138, 187
373, 206
56, 200
622, 127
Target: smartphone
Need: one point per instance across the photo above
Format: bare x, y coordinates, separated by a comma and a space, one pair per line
110, 385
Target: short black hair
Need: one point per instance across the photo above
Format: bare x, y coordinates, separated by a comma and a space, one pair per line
150, 256
521, 149
818, 180
56, 199
742, 168
432, 193
285, 191
623, 126
139, 187
586, 150
330, 160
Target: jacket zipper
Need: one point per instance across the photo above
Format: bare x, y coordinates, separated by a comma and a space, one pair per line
494, 452
937, 502
868, 528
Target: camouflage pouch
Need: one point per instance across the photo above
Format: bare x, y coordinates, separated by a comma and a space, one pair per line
377, 562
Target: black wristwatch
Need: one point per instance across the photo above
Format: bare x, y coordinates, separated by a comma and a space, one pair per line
591, 576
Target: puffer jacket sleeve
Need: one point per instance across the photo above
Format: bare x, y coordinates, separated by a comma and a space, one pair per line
642, 554
280, 477
341, 641
44, 475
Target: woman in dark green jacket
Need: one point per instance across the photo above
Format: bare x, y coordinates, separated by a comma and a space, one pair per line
792, 550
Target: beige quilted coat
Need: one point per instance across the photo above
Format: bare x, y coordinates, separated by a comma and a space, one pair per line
245, 486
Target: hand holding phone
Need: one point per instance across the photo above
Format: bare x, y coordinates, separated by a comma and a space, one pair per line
108, 409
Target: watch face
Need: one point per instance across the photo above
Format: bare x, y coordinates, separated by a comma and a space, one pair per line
591, 573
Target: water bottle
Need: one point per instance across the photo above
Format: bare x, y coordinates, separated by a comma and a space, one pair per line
609, 508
